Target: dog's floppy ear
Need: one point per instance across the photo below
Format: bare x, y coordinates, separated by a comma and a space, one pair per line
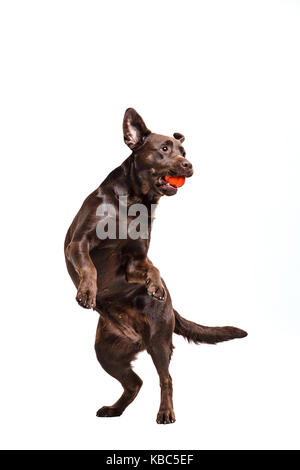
134, 129
179, 136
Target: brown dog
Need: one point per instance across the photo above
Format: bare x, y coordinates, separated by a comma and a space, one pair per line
113, 274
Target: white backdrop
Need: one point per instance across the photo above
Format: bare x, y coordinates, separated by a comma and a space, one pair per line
225, 74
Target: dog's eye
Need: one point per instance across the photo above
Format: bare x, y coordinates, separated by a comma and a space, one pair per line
165, 148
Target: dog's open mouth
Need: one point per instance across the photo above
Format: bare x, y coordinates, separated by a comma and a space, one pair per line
174, 181
169, 184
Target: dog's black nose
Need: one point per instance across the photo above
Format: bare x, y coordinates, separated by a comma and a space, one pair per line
186, 165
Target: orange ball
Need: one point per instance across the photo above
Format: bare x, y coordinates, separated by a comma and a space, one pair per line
176, 181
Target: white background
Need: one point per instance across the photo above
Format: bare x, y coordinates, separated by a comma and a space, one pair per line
227, 75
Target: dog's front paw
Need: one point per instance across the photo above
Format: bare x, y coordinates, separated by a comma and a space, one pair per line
155, 286
86, 295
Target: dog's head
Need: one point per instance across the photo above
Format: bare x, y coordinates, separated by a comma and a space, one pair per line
155, 156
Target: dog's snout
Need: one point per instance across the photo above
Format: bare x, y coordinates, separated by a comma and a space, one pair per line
187, 167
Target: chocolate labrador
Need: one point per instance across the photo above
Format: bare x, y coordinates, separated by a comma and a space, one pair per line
106, 251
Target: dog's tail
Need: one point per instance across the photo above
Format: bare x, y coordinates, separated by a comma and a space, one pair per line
205, 334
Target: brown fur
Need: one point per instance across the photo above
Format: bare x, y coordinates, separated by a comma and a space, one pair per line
117, 279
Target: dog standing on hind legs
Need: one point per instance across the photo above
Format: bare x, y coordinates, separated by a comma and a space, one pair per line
114, 276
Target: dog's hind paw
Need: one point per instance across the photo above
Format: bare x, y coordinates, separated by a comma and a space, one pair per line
165, 417
108, 412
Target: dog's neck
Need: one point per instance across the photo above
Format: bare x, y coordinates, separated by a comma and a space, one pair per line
138, 186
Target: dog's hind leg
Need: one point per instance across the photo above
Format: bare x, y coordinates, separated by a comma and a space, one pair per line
160, 349
115, 355
161, 355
